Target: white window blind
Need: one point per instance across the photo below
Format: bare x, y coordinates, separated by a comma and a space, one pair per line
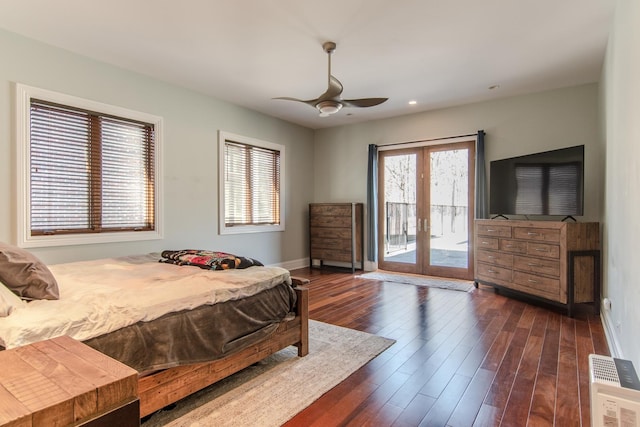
89, 172
251, 174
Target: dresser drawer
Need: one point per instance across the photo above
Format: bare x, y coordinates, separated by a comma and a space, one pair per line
493, 230
513, 246
488, 243
543, 250
495, 258
537, 285
492, 273
551, 235
537, 265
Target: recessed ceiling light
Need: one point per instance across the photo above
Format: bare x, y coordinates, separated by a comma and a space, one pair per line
413, 102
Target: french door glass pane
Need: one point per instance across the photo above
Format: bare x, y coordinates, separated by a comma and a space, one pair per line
400, 208
449, 217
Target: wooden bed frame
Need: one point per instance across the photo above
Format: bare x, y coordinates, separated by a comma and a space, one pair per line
170, 385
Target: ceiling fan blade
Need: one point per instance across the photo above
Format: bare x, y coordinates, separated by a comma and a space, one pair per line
333, 91
311, 102
364, 102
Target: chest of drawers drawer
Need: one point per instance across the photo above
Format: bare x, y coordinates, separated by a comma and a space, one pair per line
537, 285
330, 233
543, 250
494, 230
536, 265
331, 221
513, 246
537, 234
488, 243
337, 244
341, 255
495, 258
493, 273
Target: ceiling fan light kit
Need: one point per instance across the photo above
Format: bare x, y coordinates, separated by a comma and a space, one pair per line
328, 107
331, 102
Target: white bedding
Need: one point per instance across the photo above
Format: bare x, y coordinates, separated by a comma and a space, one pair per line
101, 296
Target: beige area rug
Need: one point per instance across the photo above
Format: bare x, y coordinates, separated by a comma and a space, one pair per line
432, 282
271, 392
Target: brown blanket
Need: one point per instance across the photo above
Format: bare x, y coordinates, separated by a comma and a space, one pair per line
203, 334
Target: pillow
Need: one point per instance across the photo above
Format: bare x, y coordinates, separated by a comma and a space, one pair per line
8, 301
26, 275
211, 260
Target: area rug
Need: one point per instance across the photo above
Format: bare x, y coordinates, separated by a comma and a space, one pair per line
274, 390
432, 282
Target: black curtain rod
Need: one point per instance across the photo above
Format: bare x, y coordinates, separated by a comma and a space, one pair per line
429, 140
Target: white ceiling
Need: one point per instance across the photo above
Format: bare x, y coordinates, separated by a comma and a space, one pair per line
440, 53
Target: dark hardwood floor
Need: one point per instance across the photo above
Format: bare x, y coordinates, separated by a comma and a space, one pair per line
460, 359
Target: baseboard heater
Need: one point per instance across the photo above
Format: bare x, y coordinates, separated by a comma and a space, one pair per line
614, 392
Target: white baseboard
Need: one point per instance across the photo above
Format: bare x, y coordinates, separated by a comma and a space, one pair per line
610, 333
293, 264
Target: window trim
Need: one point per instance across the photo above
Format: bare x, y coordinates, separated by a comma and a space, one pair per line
223, 137
24, 94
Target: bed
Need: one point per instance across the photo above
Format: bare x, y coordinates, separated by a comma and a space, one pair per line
181, 325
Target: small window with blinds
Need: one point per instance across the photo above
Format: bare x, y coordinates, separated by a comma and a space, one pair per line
90, 170
251, 196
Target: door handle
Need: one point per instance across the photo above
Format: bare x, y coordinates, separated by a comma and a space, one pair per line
426, 225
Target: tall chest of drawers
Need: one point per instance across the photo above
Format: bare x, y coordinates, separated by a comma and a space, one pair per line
555, 261
336, 233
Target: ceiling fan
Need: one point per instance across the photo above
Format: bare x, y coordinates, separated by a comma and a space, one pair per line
331, 102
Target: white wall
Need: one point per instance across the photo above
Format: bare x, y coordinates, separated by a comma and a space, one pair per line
621, 89
191, 122
514, 126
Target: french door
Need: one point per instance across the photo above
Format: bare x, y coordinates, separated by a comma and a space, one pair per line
426, 206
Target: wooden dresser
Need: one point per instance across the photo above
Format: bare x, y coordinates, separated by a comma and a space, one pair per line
62, 382
558, 262
336, 233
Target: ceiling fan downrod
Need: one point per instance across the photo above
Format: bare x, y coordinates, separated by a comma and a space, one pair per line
329, 47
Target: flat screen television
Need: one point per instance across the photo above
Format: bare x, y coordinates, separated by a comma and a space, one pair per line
547, 183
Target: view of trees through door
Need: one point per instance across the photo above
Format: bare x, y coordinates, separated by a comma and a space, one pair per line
426, 209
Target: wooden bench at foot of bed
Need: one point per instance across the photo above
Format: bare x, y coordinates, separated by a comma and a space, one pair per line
170, 385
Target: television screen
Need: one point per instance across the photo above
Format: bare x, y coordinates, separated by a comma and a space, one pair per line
548, 183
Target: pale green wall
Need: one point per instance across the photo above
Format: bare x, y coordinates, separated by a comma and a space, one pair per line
191, 123
621, 89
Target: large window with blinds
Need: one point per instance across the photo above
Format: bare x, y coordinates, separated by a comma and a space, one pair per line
251, 177
90, 171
